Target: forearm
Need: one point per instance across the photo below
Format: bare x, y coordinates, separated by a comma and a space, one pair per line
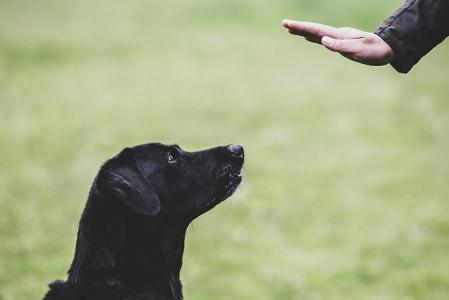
414, 29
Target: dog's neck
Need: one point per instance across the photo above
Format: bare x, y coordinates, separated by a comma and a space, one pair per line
156, 265
119, 256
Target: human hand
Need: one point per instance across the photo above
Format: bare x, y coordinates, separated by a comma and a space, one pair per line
360, 46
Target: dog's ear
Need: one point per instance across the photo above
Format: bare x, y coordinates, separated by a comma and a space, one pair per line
121, 178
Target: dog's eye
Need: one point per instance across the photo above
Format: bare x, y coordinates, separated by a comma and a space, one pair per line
172, 157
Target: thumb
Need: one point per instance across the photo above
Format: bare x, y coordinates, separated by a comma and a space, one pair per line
345, 46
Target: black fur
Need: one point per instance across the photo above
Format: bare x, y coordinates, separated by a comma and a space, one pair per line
131, 233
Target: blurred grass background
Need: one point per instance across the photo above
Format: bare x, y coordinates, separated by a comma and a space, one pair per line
346, 191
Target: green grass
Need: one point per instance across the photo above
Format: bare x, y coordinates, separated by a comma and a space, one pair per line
346, 181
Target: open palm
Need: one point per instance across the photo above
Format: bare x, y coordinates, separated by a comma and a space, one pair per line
363, 47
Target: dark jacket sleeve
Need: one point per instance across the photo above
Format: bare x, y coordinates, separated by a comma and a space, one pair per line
414, 29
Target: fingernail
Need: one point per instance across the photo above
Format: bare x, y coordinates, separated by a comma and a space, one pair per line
327, 41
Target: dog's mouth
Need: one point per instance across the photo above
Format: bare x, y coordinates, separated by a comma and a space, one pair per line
227, 179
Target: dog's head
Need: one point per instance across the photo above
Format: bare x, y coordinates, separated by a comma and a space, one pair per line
168, 183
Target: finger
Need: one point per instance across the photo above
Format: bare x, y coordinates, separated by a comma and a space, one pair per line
310, 38
313, 40
342, 46
311, 29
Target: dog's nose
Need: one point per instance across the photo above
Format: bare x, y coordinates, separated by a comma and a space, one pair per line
236, 150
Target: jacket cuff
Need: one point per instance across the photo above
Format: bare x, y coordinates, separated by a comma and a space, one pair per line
402, 62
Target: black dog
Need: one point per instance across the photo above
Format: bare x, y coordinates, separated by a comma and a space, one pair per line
131, 234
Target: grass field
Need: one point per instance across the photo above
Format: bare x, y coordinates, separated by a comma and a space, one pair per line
346, 192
